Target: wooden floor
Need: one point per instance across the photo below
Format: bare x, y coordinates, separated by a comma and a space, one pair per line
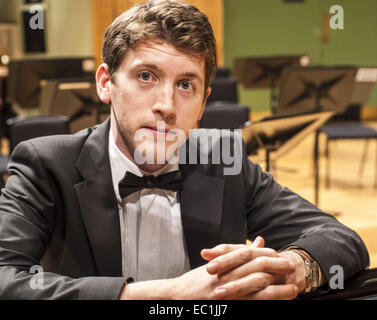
352, 199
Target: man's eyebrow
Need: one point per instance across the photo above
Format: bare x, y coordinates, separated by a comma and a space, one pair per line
147, 66
192, 75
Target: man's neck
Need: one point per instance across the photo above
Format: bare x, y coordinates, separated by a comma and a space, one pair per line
118, 139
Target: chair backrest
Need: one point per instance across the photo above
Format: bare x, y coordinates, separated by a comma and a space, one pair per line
351, 113
222, 72
25, 128
221, 115
224, 89
2, 91
2, 101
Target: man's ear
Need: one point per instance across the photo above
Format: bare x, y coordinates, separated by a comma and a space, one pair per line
204, 103
103, 81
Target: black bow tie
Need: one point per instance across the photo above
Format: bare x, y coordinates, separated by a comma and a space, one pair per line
132, 183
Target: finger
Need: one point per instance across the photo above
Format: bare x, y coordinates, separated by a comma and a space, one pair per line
258, 242
274, 292
210, 254
231, 260
252, 283
276, 266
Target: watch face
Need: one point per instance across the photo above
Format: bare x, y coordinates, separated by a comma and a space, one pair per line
309, 275
316, 272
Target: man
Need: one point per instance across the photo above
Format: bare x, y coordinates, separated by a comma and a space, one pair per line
76, 205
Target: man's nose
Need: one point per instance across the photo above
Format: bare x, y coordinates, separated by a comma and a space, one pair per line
165, 104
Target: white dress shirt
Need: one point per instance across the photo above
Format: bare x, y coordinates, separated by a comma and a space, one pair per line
153, 244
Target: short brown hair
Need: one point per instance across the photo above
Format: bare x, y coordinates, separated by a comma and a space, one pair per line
176, 22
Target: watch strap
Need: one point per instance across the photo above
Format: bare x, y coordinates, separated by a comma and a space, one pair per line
313, 272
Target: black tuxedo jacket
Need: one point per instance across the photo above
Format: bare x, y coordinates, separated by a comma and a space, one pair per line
59, 210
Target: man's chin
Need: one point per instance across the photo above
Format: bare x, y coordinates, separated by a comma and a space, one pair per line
155, 154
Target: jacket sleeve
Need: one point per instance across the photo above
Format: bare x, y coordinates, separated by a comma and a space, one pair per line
27, 207
285, 219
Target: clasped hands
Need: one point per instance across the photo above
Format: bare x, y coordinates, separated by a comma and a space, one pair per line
246, 272
232, 272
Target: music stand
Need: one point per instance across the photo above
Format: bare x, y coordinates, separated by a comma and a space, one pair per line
73, 98
322, 88
265, 72
280, 134
26, 76
366, 78
318, 87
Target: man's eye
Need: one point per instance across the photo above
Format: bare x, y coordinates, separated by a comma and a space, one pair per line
185, 85
145, 76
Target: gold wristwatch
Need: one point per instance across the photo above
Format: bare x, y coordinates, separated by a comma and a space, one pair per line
313, 272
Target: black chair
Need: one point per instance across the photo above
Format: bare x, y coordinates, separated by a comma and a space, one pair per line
25, 128
223, 72
222, 115
2, 91
347, 126
223, 89
348, 131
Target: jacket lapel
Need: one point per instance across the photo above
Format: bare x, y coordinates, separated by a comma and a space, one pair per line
98, 203
201, 202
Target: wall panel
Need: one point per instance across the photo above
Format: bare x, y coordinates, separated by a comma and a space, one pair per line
104, 11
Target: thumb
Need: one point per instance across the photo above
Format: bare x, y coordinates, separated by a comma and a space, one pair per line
258, 242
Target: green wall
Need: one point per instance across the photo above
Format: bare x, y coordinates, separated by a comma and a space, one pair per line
272, 27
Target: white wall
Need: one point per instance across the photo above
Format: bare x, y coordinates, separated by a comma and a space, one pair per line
7, 11
68, 28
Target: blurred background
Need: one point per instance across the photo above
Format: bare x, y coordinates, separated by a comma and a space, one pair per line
296, 76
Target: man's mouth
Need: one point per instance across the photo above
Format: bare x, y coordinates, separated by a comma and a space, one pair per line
159, 131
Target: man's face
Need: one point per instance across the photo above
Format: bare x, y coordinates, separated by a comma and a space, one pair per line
155, 82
